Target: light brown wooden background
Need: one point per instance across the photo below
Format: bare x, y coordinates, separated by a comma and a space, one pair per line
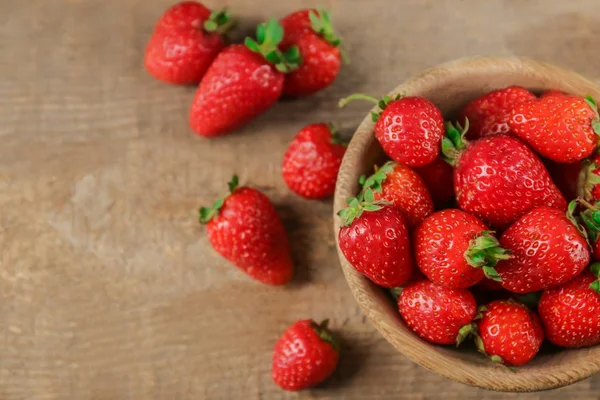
108, 286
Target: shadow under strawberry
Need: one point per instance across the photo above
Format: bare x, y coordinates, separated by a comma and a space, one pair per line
300, 243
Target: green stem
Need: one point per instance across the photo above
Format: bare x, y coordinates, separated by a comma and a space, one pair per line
357, 96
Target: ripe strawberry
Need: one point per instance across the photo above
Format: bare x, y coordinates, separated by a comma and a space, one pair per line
571, 312
488, 114
242, 82
547, 250
404, 189
245, 229
312, 32
456, 250
509, 332
185, 41
562, 128
549, 93
498, 178
409, 129
437, 313
304, 356
375, 240
588, 182
438, 177
312, 160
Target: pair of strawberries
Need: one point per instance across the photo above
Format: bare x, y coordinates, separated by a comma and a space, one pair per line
500, 183
296, 56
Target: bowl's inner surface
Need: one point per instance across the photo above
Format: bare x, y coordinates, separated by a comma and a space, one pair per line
451, 87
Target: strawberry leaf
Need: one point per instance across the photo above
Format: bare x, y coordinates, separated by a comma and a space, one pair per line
219, 22
269, 35
454, 142
252, 45
484, 252
325, 334
465, 332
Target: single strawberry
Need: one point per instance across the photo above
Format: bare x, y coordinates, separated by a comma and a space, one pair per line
547, 250
552, 92
409, 129
245, 229
488, 114
312, 161
304, 356
438, 177
374, 239
588, 181
565, 177
242, 82
457, 250
509, 332
185, 41
571, 312
403, 188
436, 313
562, 128
312, 31
498, 178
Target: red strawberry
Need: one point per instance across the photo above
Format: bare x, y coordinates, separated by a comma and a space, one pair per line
588, 182
549, 93
403, 188
547, 250
562, 128
436, 313
456, 250
438, 177
498, 178
312, 160
245, 229
509, 332
571, 312
565, 177
304, 356
409, 129
375, 240
312, 32
185, 41
242, 82
488, 114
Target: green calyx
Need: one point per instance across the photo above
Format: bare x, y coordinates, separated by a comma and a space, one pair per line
454, 142
396, 292
320, 22
365, 201
335, 136
595, 268
268, 36
325, 334
375, 181
382, 104
588, 220
594, 106
219, 22
531, 300
208, 213
484, 252
465, 332
587, 179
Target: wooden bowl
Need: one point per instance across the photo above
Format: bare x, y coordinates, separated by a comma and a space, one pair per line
450, 86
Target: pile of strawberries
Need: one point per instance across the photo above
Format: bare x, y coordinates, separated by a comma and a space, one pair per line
486, 227
295, 56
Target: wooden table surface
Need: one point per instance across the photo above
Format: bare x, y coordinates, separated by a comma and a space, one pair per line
109, 289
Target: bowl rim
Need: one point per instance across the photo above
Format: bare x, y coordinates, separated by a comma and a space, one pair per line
371, 298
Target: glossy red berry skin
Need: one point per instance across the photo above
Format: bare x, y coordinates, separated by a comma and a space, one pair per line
434, 312
377, 245
438, 177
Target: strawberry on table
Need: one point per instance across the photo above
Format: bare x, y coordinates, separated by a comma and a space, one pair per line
409, 129
509, 332
242, 82
312, 160
403, 188
438, 177
488, 114
185, 41
571, 312
437, 313
374, 239
245, 229
562, 128
455, 249
304, 356
312, 31
498, 178
547, 250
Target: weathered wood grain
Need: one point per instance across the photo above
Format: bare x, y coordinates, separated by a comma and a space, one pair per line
108, 287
